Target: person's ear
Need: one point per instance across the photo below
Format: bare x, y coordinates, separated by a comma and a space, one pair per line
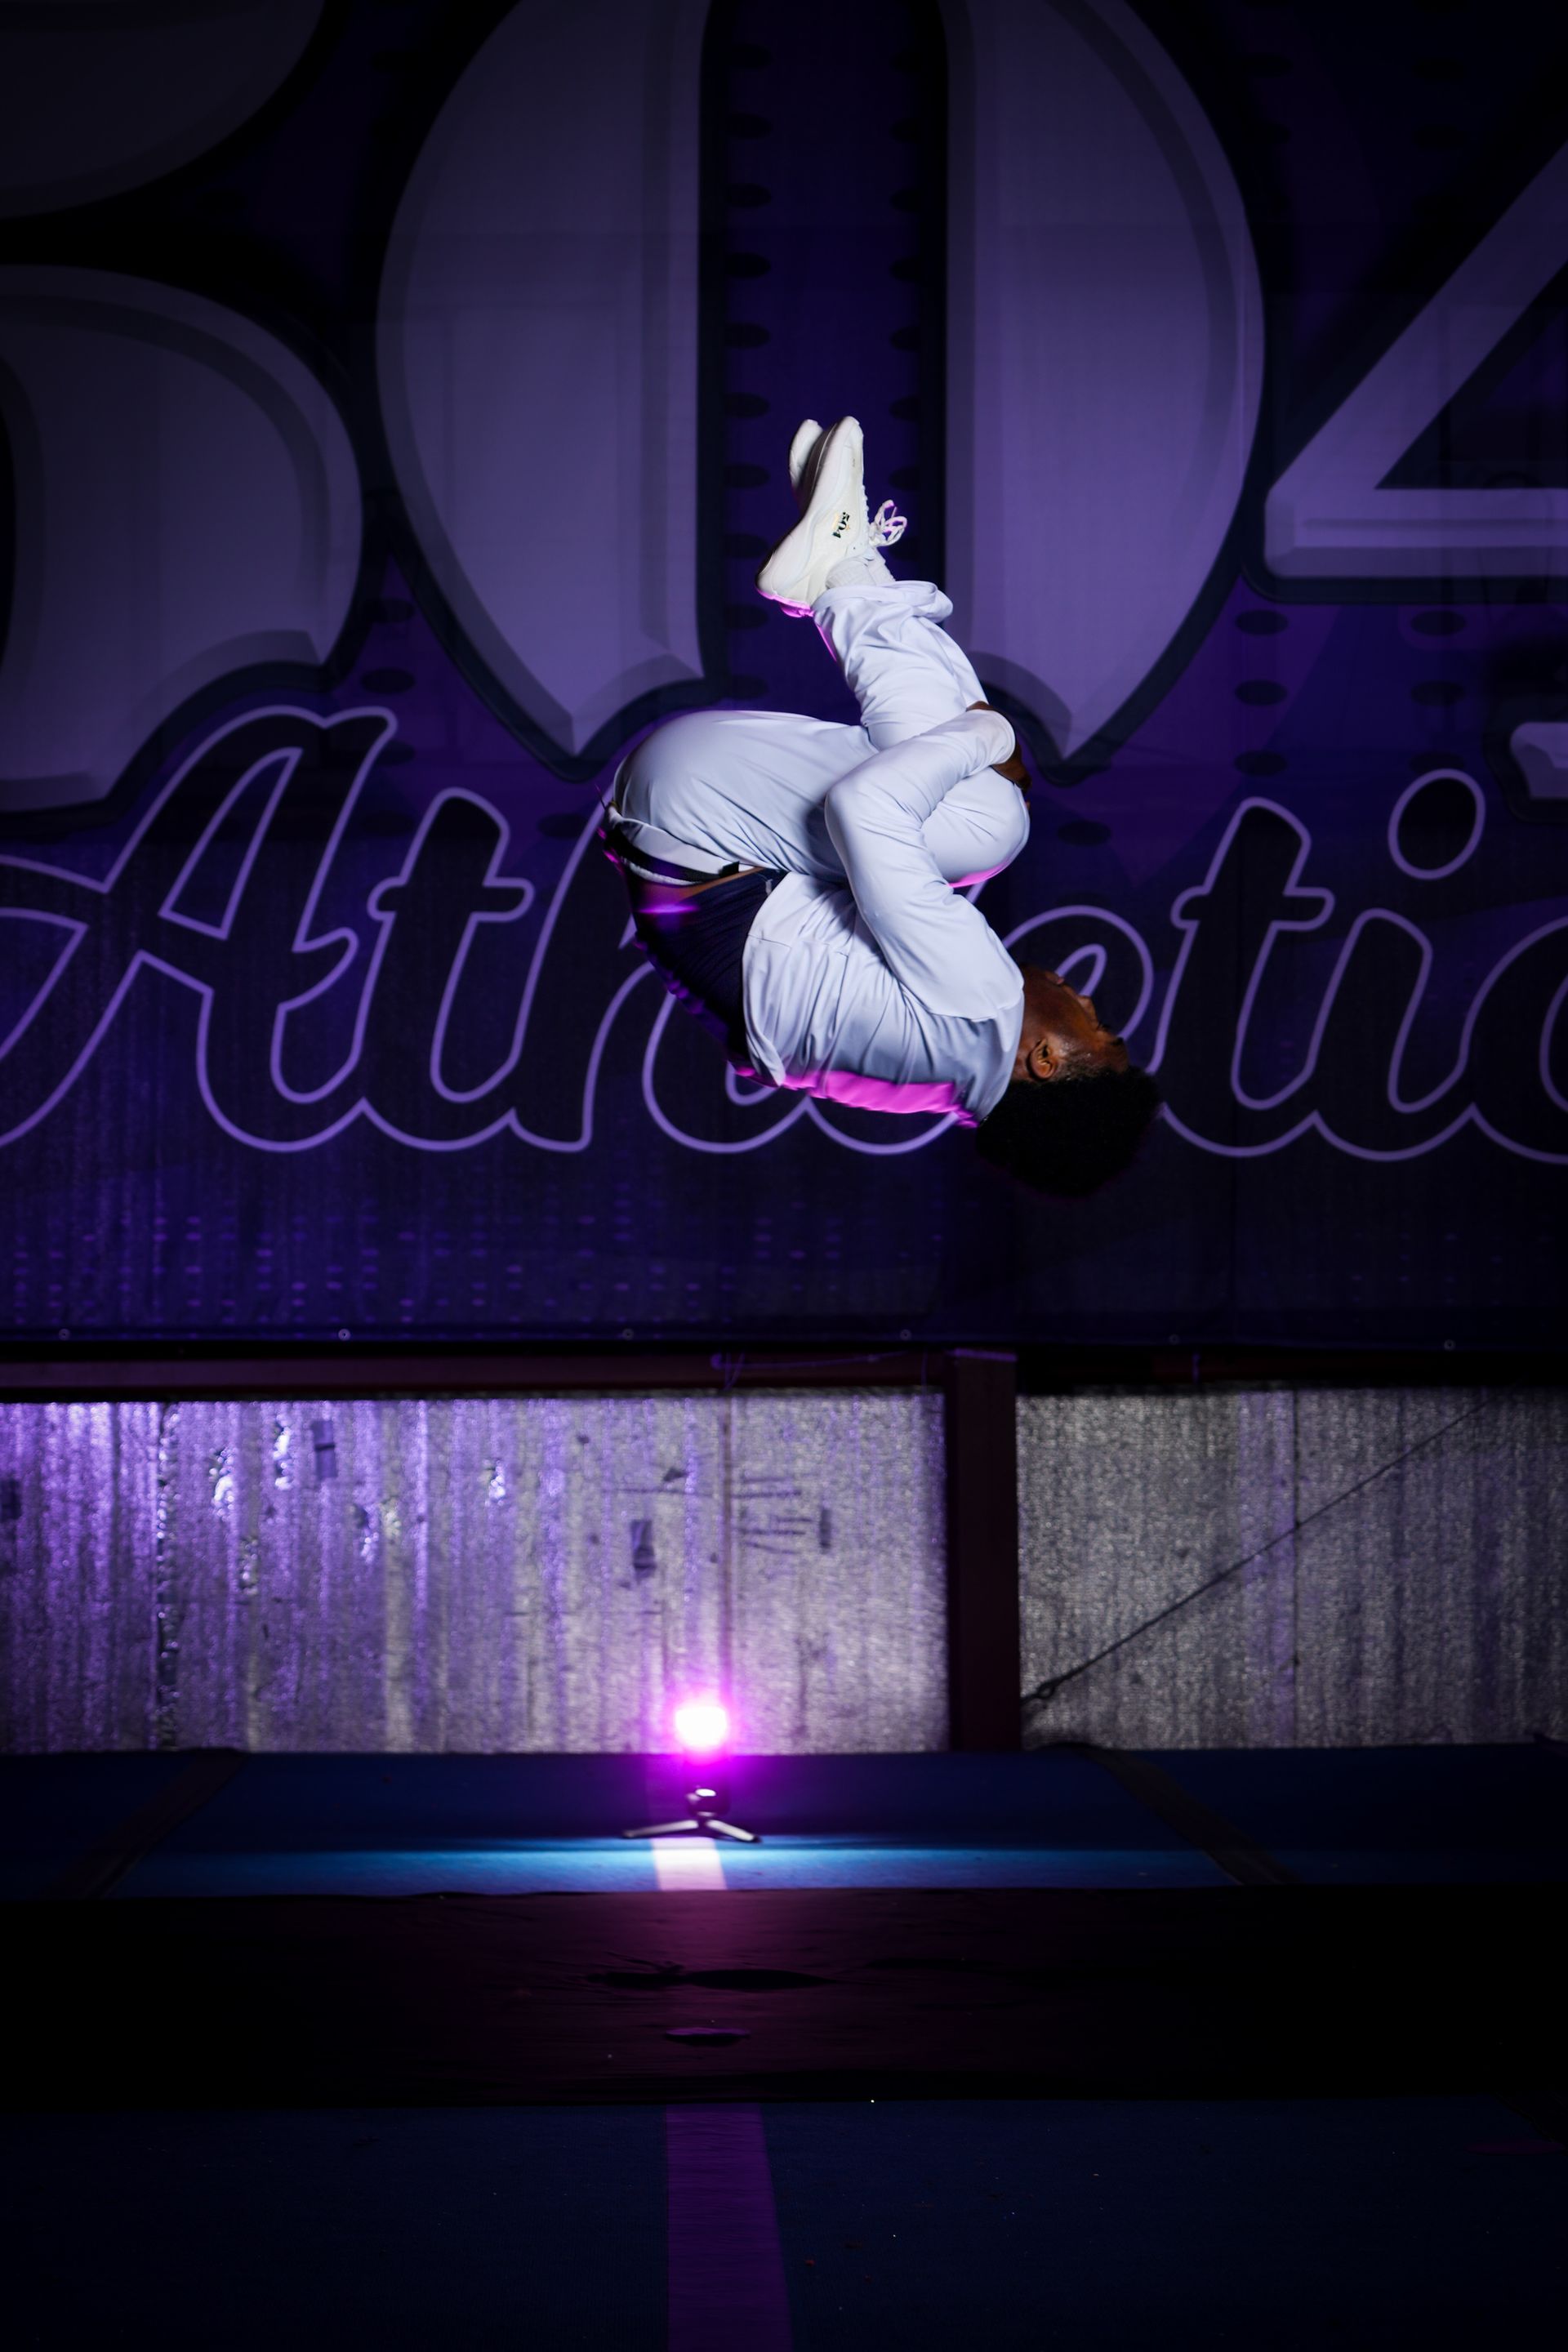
1042, 1061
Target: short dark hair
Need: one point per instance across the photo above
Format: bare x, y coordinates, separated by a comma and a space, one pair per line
1069, 1135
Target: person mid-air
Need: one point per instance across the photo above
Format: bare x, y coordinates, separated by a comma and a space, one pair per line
798, 885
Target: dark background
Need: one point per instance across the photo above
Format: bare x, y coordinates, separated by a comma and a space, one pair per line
170, 1190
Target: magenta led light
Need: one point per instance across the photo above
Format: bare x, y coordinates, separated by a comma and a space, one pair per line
701, 1729
701, 1726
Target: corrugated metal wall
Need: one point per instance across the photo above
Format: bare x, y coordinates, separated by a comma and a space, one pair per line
1309, 1567
494, 1574
1263, 1566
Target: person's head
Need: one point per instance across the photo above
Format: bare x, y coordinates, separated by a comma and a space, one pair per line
1076, 1109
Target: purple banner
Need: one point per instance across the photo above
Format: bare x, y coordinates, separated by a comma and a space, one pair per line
384, 467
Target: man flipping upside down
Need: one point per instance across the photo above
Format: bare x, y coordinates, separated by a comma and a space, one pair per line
797, 884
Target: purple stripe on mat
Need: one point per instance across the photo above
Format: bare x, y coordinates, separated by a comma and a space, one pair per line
726, 2273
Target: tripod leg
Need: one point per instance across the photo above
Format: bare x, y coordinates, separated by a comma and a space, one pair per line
667, 1829
728, 1830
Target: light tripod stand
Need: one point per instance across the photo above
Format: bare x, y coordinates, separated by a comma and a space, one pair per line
701, 1821
701, 1730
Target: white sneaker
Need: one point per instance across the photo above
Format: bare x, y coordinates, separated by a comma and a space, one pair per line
808, 438
835, 541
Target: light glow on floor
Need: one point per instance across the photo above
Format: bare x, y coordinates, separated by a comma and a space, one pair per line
683, 1865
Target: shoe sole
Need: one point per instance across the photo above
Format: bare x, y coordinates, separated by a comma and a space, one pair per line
802, 552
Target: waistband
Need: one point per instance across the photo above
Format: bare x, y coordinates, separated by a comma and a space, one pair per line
656, 857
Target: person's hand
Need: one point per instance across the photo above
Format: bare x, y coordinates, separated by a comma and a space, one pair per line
1012, 767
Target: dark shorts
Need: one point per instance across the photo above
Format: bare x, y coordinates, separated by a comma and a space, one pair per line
695, 945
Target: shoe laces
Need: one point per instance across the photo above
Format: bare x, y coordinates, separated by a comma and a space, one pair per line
888, 526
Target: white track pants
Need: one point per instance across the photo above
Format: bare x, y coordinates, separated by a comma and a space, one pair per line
717, 785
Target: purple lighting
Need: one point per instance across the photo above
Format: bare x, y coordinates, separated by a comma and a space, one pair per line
701, 1726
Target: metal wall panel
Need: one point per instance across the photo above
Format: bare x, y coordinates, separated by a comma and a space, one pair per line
1432, 1596
838, 1541
78, 1642
1128, 1505
1268, 1567
1207, 1567
519, 1573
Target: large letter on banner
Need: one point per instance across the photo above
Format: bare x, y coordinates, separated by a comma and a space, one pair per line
187, 504
539, 357
1105, 352
1331, 516
98, 99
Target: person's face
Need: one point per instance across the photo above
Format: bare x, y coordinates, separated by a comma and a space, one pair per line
1062, 1033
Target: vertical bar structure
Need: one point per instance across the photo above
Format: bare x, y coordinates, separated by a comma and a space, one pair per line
983, 1662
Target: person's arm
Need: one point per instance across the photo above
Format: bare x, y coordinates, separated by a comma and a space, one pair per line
937, 946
